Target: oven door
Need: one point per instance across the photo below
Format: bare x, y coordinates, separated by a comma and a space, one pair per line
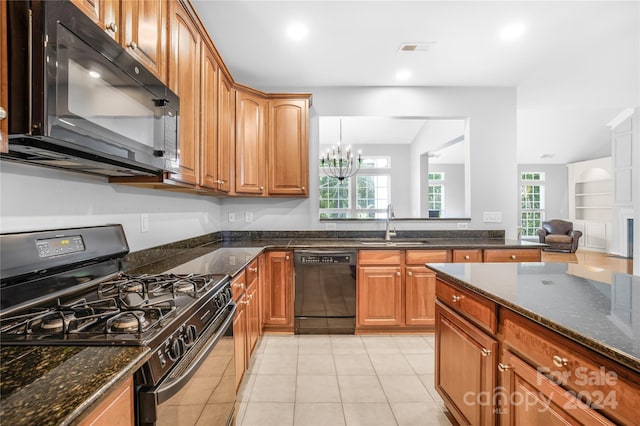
201, 387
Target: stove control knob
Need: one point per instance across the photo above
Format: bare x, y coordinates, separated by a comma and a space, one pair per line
177, 349
191, 335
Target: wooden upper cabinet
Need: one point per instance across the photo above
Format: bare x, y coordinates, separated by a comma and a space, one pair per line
226, 132
110, 18
184, 80
144, 24
250, 144
91, 8
209, 121
288, 147
4, 80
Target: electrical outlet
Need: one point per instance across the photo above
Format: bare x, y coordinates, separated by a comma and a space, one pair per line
144, 222
232, 217
492, 217
248, 217
463, 225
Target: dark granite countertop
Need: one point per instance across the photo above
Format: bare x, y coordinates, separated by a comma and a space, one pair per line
597, 308
55, 385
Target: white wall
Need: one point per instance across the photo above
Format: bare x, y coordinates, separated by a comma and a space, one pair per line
36, 198
492, 145
453, 187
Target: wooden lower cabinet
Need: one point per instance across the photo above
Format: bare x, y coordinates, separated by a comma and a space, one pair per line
420, 296
529, 398
240, 340
465, 368
278, 296
379, 296
116, 410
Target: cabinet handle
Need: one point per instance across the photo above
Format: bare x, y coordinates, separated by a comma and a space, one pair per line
513, 256
303, 188
133, 45
262, 188
238, 285
485, 352
503, 367
558, 361
467, 257
410, 273
455, 298
3, 114
286, 258
253, 269
113, 27
398, 273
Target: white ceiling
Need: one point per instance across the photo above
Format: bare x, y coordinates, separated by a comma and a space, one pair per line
575, 67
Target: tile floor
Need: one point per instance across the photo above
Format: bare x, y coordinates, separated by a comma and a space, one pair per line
341, 381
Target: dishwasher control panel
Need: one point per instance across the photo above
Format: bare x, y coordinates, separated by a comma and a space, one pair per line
311, 258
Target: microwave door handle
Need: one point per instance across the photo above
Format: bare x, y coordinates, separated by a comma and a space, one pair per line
169, 388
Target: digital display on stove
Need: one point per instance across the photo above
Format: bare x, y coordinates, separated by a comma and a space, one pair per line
59, 245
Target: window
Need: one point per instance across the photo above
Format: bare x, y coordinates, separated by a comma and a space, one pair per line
365, 195
436, 194
531, 202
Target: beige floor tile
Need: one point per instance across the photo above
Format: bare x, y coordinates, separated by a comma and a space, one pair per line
412, 344
317, 389
368, 414
347, 345
421, 363
353, 365
246, 386
404, 389
430, 339
380, 344
268, 414
428, 380
273, 388
318, 414
316, 365
281, 345
390, 364
314, 345
361, 389
418, 414
278, 364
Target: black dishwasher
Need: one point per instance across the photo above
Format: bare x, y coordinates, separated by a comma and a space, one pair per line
325, 291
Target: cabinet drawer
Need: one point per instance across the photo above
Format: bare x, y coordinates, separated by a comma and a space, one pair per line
238, 285
461, 256
251, 272
605, 385
512, 255
379, 257
420, 257
474, 307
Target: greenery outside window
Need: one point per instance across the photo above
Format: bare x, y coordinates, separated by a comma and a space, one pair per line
531, 202
436, 200
363, 196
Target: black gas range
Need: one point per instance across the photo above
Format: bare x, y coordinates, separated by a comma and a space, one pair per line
66, 287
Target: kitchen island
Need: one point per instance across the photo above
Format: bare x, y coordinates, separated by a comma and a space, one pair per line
538, 342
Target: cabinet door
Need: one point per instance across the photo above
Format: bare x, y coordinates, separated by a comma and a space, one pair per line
4, 80
91, 8
288, 147
226, 125
253, 319
110, 17
250, 144
379, 296
116, 410
530, 398
420, 296
465, 368
144, 33
209, 121
185, 82
240, 340
279, 290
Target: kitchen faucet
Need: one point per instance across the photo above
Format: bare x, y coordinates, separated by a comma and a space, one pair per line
390, 215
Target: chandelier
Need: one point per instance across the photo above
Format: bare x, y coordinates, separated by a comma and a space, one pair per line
338, 162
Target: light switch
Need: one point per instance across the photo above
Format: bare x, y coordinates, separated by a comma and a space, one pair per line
144, 222
248, 217
492, 217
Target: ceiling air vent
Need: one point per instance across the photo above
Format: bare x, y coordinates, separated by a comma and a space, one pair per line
416, 47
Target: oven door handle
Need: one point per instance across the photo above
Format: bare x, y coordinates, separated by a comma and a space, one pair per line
171, 385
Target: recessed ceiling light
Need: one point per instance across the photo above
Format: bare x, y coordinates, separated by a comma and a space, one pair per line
94, 74
403, 75
512, 31
547, 156
297, 31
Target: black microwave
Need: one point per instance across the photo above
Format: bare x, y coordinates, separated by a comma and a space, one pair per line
79, 101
